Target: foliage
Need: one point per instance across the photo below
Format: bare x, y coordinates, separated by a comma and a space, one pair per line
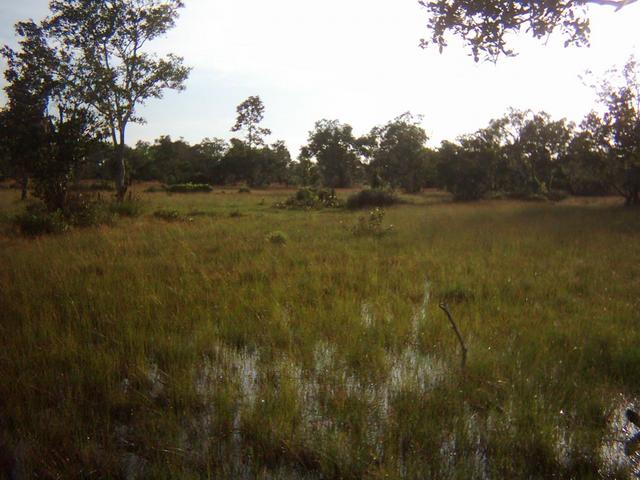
37, 221
189, 188
485, 25
372, 197
615, 136
310, 197
107, 62
80, 210
398, 153
336, 151
250, 114
244, 190
47, 147
522, 154
372, 224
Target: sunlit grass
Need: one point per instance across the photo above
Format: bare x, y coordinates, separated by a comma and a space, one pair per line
200, 349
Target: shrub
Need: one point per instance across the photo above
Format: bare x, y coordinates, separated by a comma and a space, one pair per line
82, 210
244, 190
235, 214
130, 207
372, 197
277, 238
371, 225
36, 220
189, 188
155, 189
308, 197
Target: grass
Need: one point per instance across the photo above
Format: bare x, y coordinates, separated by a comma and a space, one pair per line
201, 350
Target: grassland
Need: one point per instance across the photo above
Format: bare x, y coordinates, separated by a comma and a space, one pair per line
199, 349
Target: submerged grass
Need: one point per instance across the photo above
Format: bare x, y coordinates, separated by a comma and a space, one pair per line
200, 350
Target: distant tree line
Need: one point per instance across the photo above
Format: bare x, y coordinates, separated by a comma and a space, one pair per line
68, 108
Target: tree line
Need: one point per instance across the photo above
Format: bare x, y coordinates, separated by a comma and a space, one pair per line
75, 81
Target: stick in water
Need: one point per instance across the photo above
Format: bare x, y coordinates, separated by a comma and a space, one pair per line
445, 309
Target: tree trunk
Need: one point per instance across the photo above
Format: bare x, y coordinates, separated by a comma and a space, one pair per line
121, 176
25, 187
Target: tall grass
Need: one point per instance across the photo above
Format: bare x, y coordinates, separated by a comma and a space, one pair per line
202, 350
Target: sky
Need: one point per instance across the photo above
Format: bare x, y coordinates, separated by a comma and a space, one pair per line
357, 61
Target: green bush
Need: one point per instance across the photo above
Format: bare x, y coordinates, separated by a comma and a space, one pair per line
244, 190
189, 188
36, 220
309, 197
82, 210
156, 189
372, 197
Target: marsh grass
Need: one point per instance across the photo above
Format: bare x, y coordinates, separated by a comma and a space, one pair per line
200, 350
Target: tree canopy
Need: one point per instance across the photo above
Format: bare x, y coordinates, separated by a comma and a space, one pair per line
484, 25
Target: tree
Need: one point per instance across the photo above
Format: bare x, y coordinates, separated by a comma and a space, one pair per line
336, 152
484, 25
250, 114
108, 64
399, 155
617, 132
45, 145
30, 84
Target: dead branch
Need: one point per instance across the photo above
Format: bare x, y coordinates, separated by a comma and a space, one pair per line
445, 309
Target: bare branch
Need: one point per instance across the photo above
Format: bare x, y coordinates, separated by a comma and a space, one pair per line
445, 309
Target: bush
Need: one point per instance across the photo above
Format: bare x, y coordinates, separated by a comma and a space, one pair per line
371, 225
189, 188
156, 189
244, 190
308, 197
277, 238
130, 207
235, 214
372, 197
83, 210
36, 220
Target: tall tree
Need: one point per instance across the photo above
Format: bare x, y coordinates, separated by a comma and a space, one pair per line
617, 132
30, 84
48, 130
336, 151
485, 25
109, 66
250, 114
400, 155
